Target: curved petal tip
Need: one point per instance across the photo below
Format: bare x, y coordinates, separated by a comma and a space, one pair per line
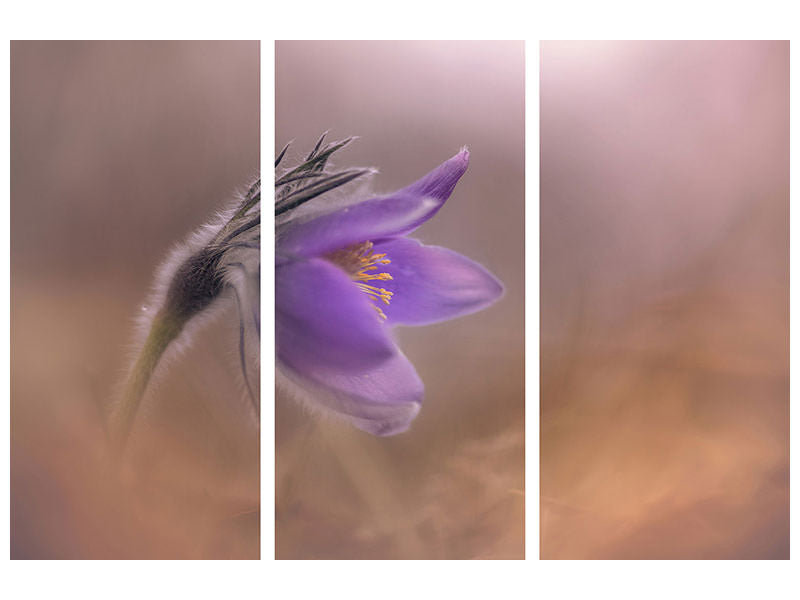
440, 182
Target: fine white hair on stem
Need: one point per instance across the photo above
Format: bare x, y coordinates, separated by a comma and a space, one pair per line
211, 270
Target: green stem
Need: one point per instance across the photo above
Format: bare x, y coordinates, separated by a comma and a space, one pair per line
163, 331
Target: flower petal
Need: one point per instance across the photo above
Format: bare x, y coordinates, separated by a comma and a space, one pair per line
369, 220
381, 401
432, 284
440, 182
323, 321
379, 218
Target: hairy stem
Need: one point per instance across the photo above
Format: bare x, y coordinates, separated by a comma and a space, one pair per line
163, 331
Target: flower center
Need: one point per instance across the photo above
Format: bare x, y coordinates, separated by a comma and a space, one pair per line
360, 262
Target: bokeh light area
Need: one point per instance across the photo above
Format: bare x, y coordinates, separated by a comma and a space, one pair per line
664, 300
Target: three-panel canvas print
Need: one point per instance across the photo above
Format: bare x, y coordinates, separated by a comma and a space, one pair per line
619, 367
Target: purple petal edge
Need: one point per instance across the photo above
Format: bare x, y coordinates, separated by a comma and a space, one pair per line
433, 284
382, 401
377, 218
441, 182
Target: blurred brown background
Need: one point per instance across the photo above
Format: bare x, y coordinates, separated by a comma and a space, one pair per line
664, 300
118, 150
453, 485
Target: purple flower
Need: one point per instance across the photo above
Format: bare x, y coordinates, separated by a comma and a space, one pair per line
345, 278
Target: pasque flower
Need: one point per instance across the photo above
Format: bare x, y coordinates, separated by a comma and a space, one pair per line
346, 277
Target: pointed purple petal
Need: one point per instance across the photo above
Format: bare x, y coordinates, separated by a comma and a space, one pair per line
369, 220
381, 401
432, 284
440, 182
379, 218
323, 321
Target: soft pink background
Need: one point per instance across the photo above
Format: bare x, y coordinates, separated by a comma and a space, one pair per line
664, 299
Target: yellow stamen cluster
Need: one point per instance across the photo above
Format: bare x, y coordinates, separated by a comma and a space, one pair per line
361, 262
